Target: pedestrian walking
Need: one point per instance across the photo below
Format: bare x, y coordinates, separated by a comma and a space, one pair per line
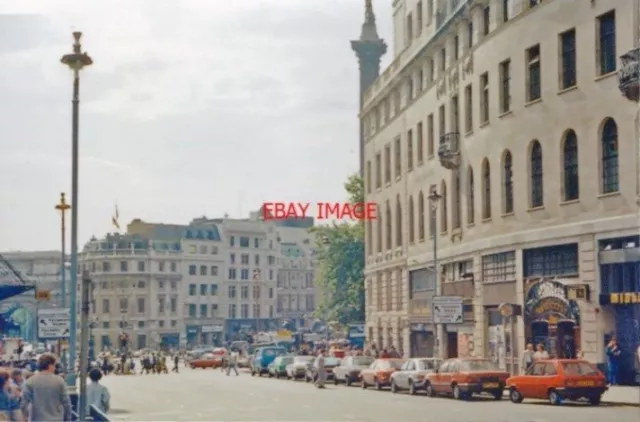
44, 397
233, 363
176, 361
97, 394
613, 355
9, 403
322, 372
528, 357
540, 354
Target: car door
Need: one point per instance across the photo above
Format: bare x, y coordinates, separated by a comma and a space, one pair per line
530, 386
453, 369
408, 368
368, 374
400, 376
548, 380
438, 377
340, 371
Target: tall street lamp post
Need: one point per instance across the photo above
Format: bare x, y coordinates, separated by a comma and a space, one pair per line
434, 199
63, 207
76, 61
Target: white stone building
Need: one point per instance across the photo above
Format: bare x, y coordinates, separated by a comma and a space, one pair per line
296, 276
137, 289
510, 111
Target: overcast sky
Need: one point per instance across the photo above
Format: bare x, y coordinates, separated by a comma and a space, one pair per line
191, 108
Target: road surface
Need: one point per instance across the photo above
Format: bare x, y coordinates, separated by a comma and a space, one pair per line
208, 395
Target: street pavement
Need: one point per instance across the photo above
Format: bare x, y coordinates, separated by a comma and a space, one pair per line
209, 395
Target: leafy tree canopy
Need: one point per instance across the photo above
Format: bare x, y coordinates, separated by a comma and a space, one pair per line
340, 264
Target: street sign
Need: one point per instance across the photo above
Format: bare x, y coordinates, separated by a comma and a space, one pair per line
447, 310
53, 323
43, 295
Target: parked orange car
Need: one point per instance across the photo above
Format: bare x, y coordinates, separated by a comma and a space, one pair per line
379, 373
557, 380
464, 377
208, 360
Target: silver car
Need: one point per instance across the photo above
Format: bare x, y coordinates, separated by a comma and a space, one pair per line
298, 368
413, 374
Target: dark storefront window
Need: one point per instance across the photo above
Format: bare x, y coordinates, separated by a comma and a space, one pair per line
620, 278
560, 260
499, 267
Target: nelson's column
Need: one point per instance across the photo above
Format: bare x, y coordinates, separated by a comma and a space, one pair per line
369, 49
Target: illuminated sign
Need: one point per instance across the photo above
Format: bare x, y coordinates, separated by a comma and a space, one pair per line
632, 298
551, 305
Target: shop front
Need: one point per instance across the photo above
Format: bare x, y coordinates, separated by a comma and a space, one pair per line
619, 261
421, 340
192, 335
169, 340
551, 318
212, 334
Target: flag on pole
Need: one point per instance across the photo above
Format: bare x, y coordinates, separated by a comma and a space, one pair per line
114, 219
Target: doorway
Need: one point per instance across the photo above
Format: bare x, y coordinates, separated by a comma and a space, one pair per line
452, 345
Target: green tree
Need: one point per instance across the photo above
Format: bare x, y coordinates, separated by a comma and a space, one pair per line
340, 264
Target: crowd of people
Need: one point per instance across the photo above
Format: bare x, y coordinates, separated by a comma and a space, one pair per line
41, 395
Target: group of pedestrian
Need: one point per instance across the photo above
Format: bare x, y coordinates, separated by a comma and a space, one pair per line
43, 396
386, 353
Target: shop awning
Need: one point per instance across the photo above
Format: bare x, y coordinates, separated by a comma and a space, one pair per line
8, 291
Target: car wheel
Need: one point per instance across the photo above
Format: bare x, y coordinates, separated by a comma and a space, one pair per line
394, 387
363, 384
457, 393
554, 397
515, 396
595, 400
269, 374
429, 390
498, 395
306, 379
253, 373
412, 388
377, 384
347, 381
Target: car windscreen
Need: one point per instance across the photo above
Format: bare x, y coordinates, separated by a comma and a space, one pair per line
390, 364
578, 368
303, 359
331, 362
274, 352
478, 365
362, 360
427, 364
286, 360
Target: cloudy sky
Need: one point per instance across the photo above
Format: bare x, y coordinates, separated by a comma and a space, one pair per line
191, 108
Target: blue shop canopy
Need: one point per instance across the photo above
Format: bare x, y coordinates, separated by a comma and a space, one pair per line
11, 290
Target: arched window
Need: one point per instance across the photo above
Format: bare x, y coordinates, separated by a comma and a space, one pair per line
369, 235
379, 231
412, 222
443, 207
398, 222
486, 190
610, 180
471, 199
537, 184
570, 167
456, 200
389, 225
507, 178
421, 216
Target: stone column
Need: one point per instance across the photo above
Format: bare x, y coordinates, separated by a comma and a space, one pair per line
479, 314
591, 334
520, 339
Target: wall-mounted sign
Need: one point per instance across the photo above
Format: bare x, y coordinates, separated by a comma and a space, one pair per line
579, 292
550, 305
630, 298
217, 328
43, 295
448, 309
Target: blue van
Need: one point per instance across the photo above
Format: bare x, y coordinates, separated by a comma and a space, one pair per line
263, 357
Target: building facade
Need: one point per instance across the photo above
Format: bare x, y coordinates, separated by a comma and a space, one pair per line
252, 257
531, 152
43, 268
296, 293
137, 290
